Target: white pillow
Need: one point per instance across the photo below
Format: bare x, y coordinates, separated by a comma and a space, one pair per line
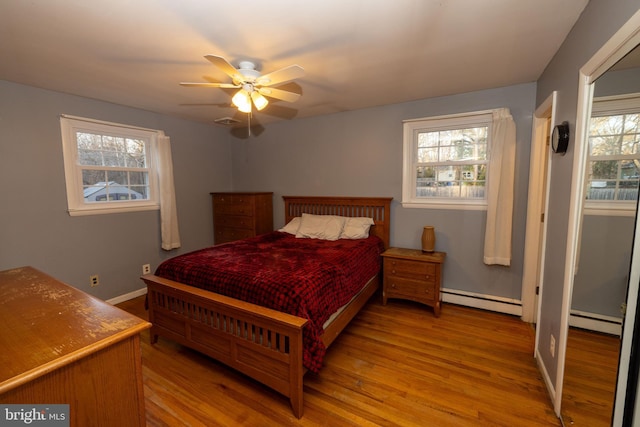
356, 228
292, 226
326, 227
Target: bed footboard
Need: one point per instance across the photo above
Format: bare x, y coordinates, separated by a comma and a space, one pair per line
262, 343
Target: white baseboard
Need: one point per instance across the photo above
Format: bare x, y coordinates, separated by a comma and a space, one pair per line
579, 319
485, 302
596, 322
127, 297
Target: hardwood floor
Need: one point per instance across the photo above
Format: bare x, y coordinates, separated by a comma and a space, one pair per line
590, 378
393, 365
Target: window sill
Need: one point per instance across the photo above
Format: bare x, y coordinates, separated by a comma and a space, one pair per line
90, 210
448, 205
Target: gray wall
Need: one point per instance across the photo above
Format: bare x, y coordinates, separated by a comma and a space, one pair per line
618, 82
600, 284
35, 228
359, 153
354, 153
598, 22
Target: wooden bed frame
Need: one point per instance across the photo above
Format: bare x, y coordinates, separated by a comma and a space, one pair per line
260, 342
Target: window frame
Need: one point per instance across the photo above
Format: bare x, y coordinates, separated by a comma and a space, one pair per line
437, 123
611, 106
76, 205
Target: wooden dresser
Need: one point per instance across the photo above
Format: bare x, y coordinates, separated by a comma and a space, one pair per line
62, 346
241, 215
414, 275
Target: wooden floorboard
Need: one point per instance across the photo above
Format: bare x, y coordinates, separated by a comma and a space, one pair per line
589, 378
394, 365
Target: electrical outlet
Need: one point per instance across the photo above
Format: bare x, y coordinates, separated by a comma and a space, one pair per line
94, 280
146, 268
552, 346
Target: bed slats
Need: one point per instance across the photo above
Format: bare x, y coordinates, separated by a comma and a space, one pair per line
236, 336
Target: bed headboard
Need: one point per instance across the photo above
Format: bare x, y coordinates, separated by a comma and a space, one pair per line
378, 208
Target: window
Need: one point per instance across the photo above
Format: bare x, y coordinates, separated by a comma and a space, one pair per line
108, 167
613, 166
446, 161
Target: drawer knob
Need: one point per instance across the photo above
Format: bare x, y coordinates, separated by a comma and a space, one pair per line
393, 271
427, 276
393, 285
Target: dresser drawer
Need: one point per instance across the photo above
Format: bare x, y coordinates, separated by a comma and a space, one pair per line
237, 221
233, 199
244, 209
228, 234
397, 287
409, 269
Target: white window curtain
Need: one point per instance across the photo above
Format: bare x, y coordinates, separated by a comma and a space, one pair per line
168, 210
497, 240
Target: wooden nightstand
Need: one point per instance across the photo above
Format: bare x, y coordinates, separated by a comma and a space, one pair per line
414, 275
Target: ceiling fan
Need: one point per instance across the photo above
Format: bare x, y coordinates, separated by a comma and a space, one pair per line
254, 88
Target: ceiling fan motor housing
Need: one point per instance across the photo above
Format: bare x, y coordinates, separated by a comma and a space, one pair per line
248, 71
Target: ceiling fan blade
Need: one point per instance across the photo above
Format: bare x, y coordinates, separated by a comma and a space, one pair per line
280, 76
204, 84
272, 92
225, 67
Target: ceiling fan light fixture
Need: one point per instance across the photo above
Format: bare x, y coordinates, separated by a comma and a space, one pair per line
242, 100
258, 100
245, 108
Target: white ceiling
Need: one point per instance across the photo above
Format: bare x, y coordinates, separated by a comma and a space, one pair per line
356, 53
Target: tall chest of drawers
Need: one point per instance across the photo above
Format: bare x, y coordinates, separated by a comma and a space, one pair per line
241, 215
414, 275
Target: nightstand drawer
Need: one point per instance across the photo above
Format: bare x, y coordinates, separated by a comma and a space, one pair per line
409, 269
411, 289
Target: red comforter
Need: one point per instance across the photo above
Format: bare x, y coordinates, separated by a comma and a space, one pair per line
309, 278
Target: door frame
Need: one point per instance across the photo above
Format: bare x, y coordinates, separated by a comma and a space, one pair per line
538, 196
